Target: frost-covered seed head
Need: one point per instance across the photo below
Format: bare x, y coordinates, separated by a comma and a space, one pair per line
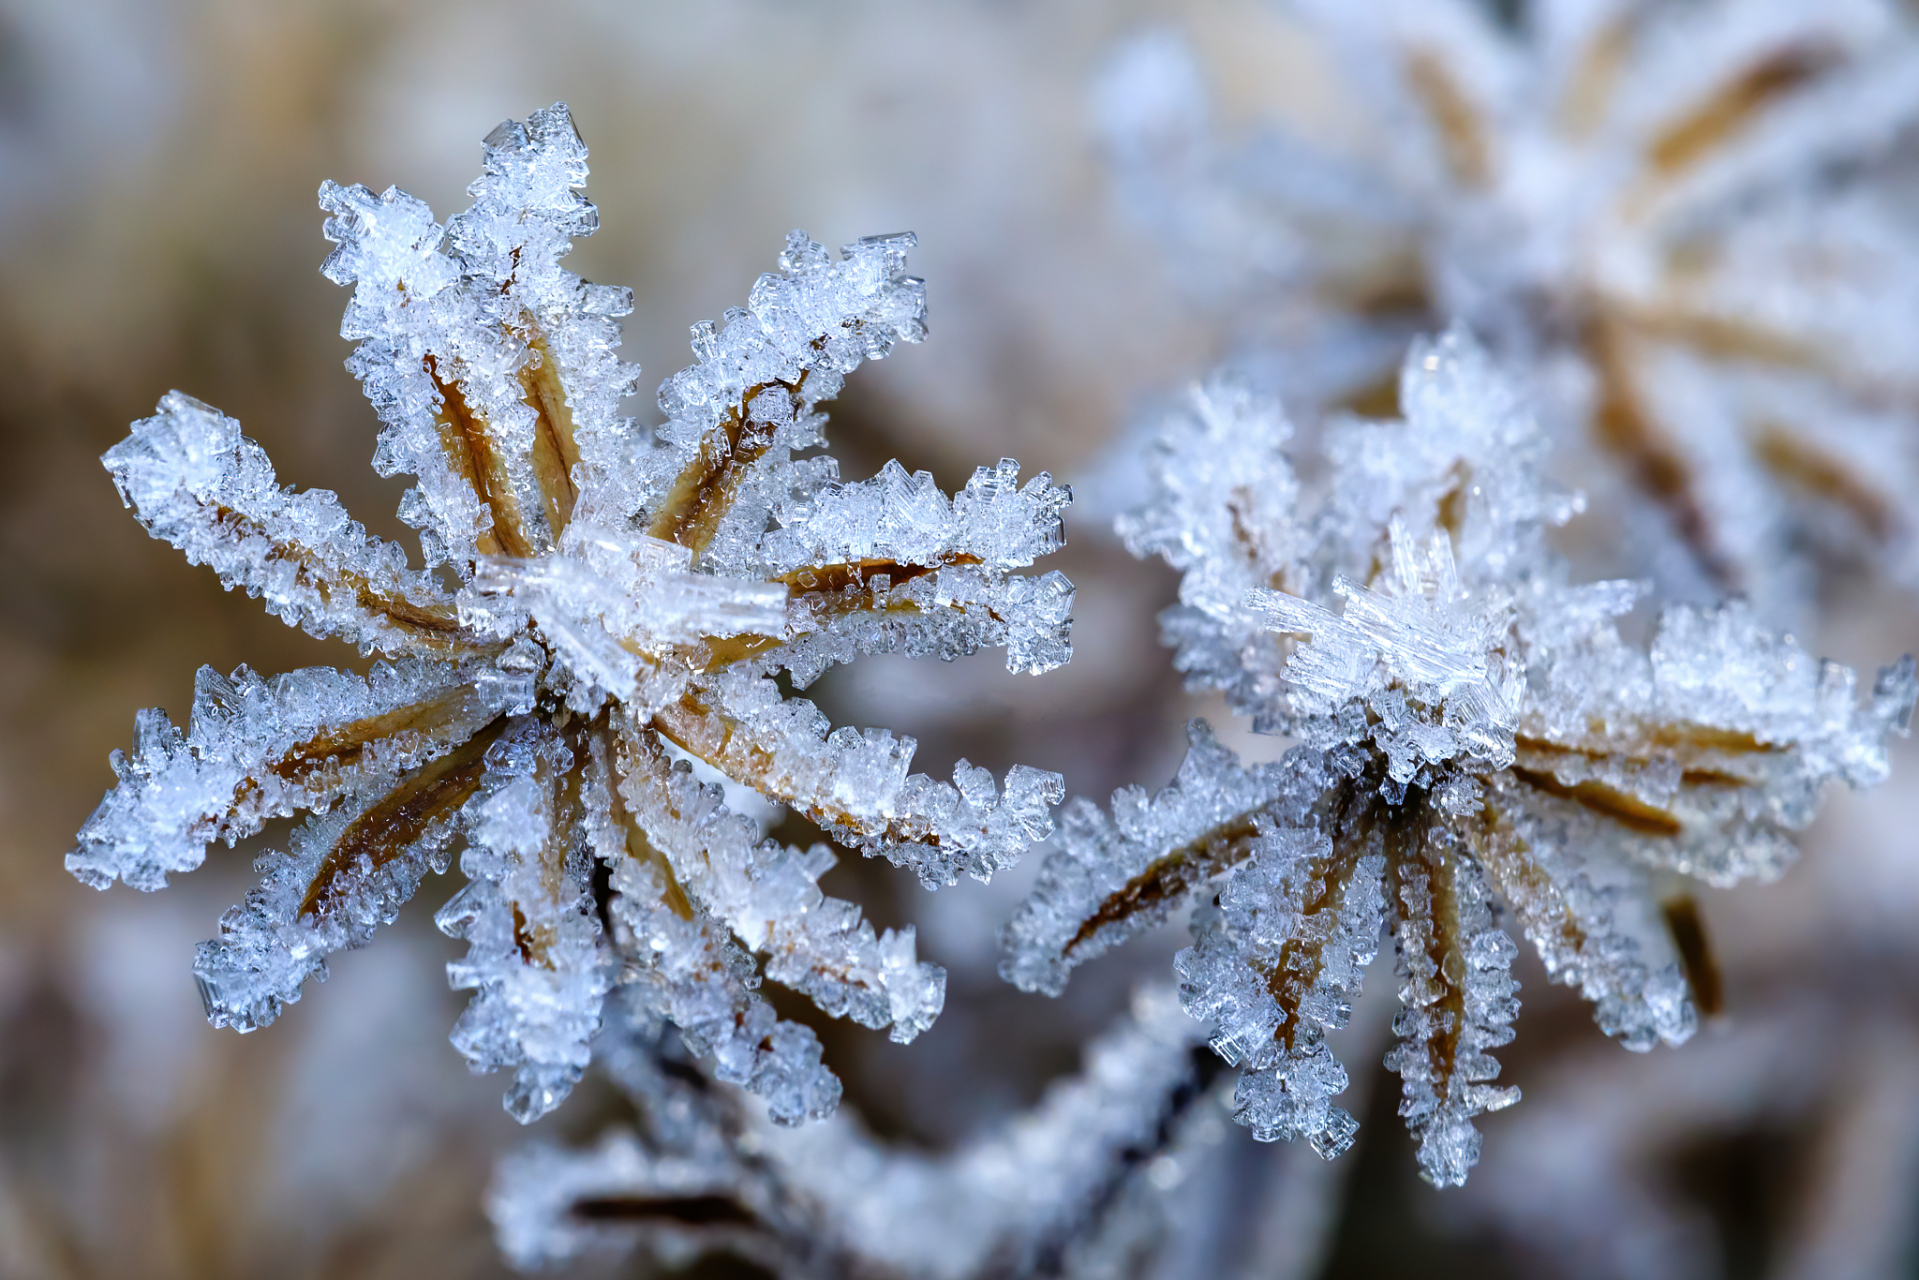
613, 605
1477, 745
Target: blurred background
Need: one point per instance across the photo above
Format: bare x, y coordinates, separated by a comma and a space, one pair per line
158, 162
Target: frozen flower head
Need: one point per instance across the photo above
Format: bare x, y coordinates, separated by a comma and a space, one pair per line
603, 606
1684, 222
1478, 748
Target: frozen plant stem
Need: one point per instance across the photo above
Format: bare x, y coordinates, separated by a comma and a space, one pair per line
621, 594
1026, 1197
1475, 741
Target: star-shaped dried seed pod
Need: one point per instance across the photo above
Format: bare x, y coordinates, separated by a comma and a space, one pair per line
602, 606
1683, 223
1476, 742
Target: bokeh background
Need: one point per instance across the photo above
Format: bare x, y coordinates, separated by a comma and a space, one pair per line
158, 160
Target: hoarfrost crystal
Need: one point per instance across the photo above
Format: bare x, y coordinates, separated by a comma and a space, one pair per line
618, 593
1476, 743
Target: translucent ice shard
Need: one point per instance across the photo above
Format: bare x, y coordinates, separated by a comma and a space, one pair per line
596, 592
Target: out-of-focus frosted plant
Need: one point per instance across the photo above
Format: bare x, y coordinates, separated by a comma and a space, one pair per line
1041, 1194
602, 606
1475, 740
1687, 224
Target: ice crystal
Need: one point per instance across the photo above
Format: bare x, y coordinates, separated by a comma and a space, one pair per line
1685, 221
600, 600
1475, 742
702, 1174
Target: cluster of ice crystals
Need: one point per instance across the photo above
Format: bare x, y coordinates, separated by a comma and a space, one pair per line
1476, 741
819, 317
1238, 972
686, 970
1448, 1021
1421, 655
598, 597
263, 749
196, 482
528, 917
1096, 855
829, 1200
1682, 222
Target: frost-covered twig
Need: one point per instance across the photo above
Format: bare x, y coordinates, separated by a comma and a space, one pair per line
828, 1200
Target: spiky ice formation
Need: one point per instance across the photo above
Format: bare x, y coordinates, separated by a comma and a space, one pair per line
1683, 224
620, 593
1476, 742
